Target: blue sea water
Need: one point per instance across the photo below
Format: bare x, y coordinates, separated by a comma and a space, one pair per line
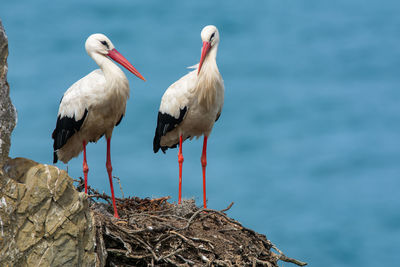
308, 143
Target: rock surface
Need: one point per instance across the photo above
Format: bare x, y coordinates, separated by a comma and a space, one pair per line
8, 114
44, 221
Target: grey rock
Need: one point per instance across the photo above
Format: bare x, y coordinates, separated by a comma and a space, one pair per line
8, 114
44, 220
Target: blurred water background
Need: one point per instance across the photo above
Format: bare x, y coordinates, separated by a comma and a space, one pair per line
308, 143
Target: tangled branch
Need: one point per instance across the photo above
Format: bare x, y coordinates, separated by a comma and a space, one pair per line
153, 232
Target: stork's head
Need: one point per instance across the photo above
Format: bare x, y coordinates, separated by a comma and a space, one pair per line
210, 38
99, 44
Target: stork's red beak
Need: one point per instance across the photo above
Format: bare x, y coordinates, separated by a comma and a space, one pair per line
204, 52
115, 55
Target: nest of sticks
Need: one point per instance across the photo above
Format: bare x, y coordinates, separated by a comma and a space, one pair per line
154, 232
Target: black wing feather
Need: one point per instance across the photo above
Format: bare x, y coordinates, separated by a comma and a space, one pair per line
165, 124
65, 128
120, 119
218, 115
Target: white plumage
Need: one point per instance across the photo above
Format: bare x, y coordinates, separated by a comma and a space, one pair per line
94, 105
204, 100
102, 93
191, 105
105, 103
202, 93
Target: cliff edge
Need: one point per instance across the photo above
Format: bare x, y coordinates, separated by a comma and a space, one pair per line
8, 115
44, 220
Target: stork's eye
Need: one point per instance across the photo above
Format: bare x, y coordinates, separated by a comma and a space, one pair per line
212, 36
105, 43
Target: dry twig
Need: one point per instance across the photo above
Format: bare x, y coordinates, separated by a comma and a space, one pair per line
120, 187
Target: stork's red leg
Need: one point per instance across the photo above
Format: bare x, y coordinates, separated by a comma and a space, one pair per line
85, 166
109, 170
180, 160
204, 164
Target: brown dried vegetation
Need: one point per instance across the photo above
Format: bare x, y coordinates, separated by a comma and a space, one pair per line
154, 232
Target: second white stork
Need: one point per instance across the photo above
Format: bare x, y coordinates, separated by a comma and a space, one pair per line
93, 106
191, 105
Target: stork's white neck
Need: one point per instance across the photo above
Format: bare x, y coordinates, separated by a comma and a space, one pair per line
209, 80
210, 63
109, 68
115, 77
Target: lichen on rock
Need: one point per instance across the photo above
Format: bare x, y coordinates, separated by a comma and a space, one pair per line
8, 114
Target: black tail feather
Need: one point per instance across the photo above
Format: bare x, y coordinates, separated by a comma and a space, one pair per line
165, 124
66, 127
55, 157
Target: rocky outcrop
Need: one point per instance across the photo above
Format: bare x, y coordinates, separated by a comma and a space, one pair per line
44, 221
8, 114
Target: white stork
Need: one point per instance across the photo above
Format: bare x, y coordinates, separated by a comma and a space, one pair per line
191, 105
92, 106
